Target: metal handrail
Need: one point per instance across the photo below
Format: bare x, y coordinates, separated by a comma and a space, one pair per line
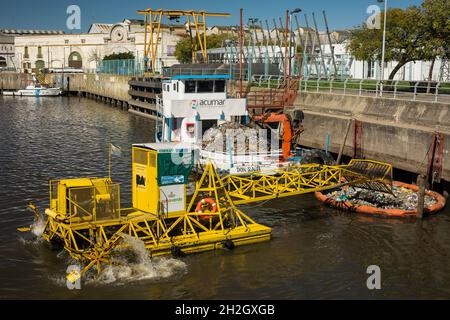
432, 91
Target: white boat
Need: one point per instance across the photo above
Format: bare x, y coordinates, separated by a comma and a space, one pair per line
35, 91
192, 104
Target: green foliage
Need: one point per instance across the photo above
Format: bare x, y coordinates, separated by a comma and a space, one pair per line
119, 56
414, 33
437, 26
183, 50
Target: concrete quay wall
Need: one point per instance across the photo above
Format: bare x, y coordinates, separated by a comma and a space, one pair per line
395, 131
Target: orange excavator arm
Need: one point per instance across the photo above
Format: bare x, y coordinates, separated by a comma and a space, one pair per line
289, 134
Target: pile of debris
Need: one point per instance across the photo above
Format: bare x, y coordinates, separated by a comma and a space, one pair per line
403, 198
241, 138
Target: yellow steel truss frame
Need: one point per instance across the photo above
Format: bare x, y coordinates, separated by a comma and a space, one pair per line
152, 31
301, 179
92, 242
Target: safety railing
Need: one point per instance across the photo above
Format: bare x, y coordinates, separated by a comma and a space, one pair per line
267, 81
171, 72
130, 67
426, 91
136, 68
93, 203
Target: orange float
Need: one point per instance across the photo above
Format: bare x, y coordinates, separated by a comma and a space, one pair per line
394, 213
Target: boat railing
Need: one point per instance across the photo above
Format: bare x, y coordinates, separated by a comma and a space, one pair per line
174, 71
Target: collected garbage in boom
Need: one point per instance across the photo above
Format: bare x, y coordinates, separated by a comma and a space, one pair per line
403, 198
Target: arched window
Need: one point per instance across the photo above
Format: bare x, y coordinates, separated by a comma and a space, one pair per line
75, 60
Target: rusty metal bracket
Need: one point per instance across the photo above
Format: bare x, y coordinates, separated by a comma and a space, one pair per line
435, 156
357, 140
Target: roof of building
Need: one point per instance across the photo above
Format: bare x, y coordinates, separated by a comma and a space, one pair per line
4, 39
20, 32
100, 28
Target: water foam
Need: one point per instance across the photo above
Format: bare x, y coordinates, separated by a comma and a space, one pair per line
134, 264
38, 227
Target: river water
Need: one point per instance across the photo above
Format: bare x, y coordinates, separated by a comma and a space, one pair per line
316, 252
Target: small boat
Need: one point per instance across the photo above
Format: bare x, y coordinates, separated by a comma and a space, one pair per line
35, 91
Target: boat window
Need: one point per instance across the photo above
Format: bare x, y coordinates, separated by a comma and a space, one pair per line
219, 86
175, 86
189, 86
205, 86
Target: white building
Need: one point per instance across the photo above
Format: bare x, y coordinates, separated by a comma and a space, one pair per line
84, 51
6, 52
349, 66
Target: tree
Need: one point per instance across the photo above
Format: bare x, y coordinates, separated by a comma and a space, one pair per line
406, 39
437, 26
120, 56
183, 50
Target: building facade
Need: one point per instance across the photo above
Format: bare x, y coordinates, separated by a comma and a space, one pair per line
6, 52
85, 51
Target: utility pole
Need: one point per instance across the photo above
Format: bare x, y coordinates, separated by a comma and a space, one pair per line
313, 45
292, 38
329, 40
300, 70
278, 38
251, 23
286, 47
383, 54
320, 45
240, 53
270, 39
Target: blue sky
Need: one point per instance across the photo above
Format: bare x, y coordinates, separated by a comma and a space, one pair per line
46, 14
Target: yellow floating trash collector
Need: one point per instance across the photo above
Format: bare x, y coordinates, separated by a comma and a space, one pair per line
86, 219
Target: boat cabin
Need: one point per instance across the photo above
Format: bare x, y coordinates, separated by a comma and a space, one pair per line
191, 104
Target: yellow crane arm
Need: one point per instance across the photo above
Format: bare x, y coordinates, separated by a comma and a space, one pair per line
174, 13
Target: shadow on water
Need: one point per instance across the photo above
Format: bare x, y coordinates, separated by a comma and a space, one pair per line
316, 252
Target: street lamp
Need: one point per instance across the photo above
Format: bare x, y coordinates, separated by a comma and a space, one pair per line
384, 45
295, 11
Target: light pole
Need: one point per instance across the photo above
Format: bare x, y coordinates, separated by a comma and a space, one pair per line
383, 53
292, 37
